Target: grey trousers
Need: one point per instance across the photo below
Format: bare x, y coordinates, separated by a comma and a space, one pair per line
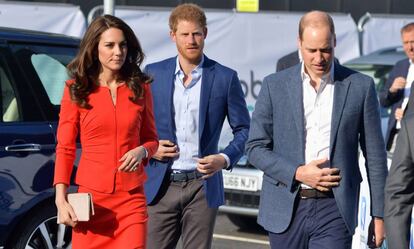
181, 210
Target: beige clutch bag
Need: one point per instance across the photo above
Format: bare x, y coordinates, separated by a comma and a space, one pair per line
82, 205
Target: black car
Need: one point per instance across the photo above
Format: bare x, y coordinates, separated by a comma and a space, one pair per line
32, 76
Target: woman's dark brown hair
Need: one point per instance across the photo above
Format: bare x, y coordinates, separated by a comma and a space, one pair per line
84, 68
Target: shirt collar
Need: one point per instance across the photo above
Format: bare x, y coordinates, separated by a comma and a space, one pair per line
326, 78
196, 69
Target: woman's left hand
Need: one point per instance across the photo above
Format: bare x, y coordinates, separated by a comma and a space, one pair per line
132, 159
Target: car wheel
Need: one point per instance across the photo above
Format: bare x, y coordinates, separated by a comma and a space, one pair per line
41, 231
244, 222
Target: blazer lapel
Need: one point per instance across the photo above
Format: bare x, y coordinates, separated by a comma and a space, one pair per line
295, 92
406, 68
206, 85
169, 93
340, 95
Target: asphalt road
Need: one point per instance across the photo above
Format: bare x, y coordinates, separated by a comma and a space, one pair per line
228, 236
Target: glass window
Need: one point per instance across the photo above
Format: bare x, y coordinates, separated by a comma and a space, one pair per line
52, 74
49, 64
43, 72
10, 110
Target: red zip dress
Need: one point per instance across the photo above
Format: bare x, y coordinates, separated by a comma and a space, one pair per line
107, 131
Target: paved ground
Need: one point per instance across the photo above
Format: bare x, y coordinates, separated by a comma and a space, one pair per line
228, 236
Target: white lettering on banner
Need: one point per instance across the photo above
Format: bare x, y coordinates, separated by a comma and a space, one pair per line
251, 90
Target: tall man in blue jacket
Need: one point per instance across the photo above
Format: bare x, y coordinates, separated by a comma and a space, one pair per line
306, 127
396, 90
193, 95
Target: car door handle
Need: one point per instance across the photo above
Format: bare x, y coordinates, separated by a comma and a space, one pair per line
23, 147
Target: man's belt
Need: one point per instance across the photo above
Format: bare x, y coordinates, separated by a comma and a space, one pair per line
184, 176
315, 194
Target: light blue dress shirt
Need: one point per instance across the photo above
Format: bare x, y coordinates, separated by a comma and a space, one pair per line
186, 106
186, 102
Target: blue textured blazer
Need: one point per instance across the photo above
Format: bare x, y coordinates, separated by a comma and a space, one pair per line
276, 144
221, 97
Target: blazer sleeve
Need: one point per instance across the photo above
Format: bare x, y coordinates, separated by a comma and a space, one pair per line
410, 106
385, 96
373, 149
148, 132
259, 146
239, 121
399, 192
67, 133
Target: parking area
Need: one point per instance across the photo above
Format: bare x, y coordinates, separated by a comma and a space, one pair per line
228, 236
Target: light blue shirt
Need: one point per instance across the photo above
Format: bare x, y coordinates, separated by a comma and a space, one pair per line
186, 102
186, 106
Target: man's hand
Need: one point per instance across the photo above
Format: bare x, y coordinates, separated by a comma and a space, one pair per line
399, 83
314, 175
166, 150
399, 113
379, 231
209, 165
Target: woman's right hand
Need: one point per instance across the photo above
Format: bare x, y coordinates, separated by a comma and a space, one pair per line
65, 211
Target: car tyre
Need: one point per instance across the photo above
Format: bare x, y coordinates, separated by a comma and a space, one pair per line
41, 231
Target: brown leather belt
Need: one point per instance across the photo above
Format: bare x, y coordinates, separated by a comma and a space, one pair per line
315, 194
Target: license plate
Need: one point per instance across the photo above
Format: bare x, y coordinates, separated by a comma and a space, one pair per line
238, 182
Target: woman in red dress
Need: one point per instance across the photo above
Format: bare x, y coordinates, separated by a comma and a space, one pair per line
108, 103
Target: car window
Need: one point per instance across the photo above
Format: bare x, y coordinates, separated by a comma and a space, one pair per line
10, 111
49, 63
52, 74
43, 67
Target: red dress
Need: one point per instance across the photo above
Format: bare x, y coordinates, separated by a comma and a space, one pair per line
107, 132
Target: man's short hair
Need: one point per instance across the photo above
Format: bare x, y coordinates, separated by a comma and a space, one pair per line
326, 20
408, 27
187, 12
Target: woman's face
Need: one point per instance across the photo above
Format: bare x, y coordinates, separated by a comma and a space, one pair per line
112, 50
